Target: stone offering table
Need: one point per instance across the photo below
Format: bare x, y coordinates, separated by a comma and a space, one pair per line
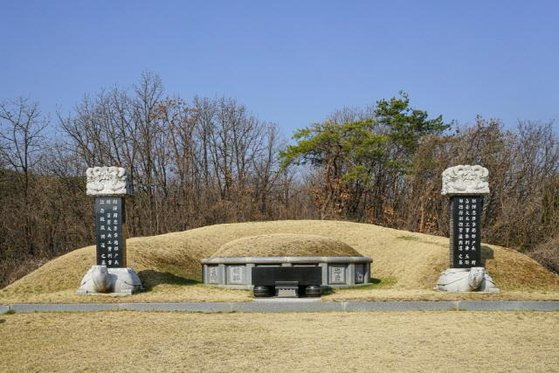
286, 282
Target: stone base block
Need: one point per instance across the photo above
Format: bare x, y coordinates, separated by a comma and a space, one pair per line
287, 291
466, 279
103, 280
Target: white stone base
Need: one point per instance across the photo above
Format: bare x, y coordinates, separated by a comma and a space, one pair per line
286, 291
465, 280
103, 280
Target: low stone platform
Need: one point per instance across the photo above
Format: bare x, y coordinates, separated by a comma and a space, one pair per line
337, 271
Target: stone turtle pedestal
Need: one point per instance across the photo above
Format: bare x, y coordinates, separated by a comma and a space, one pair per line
466, 279
119, 281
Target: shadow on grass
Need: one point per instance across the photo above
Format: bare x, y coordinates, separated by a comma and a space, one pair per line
486, 253
151, 278
408, 238
374, 283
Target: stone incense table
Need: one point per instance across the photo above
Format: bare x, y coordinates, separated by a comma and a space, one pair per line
109, 186
466, 186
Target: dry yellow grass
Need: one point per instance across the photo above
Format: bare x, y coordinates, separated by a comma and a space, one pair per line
285, 244
169, 265
415, 341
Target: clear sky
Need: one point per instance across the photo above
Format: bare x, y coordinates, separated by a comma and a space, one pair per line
292, 62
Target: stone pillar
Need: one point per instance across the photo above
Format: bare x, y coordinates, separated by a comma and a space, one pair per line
367, 273
351, 274
324, 270
249, 267
109, 186
222, 274
465, 186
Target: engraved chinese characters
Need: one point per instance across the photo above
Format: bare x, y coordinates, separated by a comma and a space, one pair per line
337, 274
465, 185
213, 276
466, 233
236, 274
109, 220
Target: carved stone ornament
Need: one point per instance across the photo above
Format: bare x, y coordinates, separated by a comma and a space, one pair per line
106, 181
466, 279
465, 179
100, 279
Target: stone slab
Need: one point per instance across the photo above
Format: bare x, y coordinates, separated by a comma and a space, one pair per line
359, 274
4, 309
286, 292
110, 232
236, 274
287, 259
290, 300
337, 274
288, 306
465, 231
213, 274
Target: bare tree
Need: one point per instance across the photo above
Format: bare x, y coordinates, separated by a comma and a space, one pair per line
21, 127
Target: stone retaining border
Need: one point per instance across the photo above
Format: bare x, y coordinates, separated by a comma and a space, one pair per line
299, 305
337, 271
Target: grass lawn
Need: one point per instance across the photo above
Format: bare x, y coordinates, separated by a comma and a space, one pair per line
395, 341
206, 293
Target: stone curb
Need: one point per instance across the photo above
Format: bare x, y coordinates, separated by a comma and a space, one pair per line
401, 306
508, 305
63, 307
290, 306
206, 307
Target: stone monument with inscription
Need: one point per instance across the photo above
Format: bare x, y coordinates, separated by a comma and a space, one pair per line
466, 186
109, 186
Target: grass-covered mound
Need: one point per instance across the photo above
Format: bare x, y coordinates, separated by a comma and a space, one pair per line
406, 264
285, 244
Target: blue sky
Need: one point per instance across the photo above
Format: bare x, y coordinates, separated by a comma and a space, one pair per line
292, 62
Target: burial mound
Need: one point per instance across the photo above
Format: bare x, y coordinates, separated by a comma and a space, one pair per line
285, 244
337, 263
